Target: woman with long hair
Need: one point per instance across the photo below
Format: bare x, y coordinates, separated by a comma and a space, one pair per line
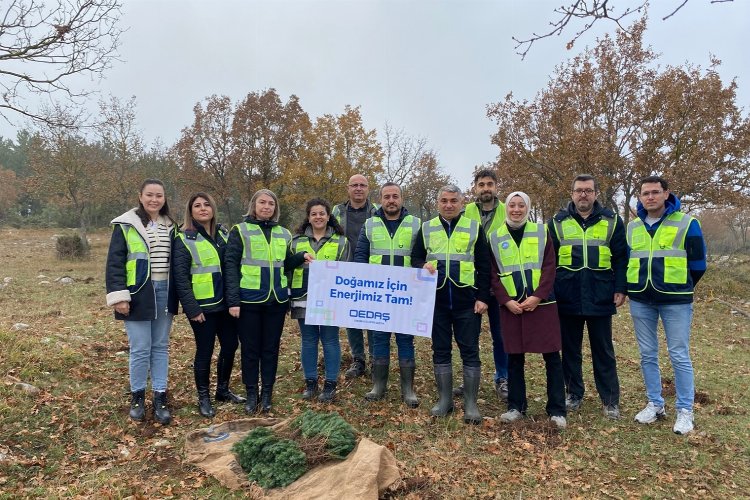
199, 280
257, 256
139, 291
321, 236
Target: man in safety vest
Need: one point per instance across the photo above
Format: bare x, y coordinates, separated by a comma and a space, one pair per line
592, 258
667, 258
387, 239
489, 211
455, 247
352, 215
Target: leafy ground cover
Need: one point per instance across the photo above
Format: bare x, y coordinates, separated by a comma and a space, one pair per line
71, 436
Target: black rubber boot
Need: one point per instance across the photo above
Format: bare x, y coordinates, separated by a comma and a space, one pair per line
161, 412
204, 398
329, 392
357, 369
407, 367
472, 374
459, 391
444, 381
265, 398
251, 404
138, 405
380, 368
223, 373
311, 388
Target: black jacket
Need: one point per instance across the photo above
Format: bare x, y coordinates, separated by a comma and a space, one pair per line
588, 292
182, 260
142, 303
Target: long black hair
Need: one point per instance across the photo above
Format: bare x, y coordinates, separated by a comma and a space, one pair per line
332, 222
141, 210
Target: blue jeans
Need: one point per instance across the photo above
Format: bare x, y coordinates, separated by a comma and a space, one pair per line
676, 319
382, 345
329, 337
149, 343
498, 351
357, 342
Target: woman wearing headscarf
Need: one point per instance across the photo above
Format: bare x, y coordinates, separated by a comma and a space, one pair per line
258, 255
139, 291
197, 267
523, 283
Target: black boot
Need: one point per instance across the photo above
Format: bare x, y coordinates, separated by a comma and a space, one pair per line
204, 400
444, 382
138, 405
459, 391
357, 369
223, 373
380, 367
161, 412
251, 404
472, 374
311, 388
265, 398
329, 392
407, 368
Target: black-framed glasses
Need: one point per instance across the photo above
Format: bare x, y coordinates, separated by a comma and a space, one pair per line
587, 191
357, 185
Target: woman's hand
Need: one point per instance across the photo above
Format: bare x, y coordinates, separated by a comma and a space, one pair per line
122, 308
309, 257
530, 303
234, 311
513, 307
199, 319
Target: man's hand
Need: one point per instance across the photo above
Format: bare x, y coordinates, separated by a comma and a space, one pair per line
619, 299
430, 268
234, 311
479, 307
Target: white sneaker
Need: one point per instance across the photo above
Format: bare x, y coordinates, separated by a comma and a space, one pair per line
684, 422
650, 414
559, 421
511, 416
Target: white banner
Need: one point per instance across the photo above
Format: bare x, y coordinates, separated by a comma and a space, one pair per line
371, 297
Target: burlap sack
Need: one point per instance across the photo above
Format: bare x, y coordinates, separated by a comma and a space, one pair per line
366, 473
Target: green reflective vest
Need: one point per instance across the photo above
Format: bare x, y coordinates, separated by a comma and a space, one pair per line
332, 249
661, 260
389, 251
138, 263
262, 263
519, 268
452, 257
205, 269
474, 212
584, 249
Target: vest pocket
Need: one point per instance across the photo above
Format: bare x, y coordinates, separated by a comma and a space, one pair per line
250, 277
675, 270
203, 286
634, 267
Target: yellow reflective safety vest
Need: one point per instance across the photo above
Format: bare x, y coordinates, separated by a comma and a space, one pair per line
473, 211
332, 249
262, 264
519, 267
584, 249
138, 263
389, 251
661, 260
452, 257
205, 269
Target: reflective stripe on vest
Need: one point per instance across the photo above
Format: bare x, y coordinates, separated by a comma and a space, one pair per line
331, 250
454, 254
203, 268
584, 249
137, 264
389, 251
498, 218
519, 268
262, 263
661, 260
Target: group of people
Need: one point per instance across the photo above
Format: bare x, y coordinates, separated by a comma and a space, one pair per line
540, 285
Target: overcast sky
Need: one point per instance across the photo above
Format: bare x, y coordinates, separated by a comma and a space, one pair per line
429, 67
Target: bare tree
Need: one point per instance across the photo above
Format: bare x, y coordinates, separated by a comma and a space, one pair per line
401, 155
44, 46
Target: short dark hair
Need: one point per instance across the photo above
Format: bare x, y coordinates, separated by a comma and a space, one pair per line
485, 172
652, 179
584, 178
387, 184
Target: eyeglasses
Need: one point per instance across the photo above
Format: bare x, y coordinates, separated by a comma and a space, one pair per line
357, 185
587, 191
654, 193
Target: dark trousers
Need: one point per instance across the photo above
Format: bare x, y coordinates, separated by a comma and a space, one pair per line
555, 387
217, 324
464, 327
260, 327
602, 356
498, 350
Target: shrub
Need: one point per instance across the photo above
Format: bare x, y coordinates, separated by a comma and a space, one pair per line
71, 247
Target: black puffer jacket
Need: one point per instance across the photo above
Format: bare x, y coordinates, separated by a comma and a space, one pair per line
182, 260
587, 292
